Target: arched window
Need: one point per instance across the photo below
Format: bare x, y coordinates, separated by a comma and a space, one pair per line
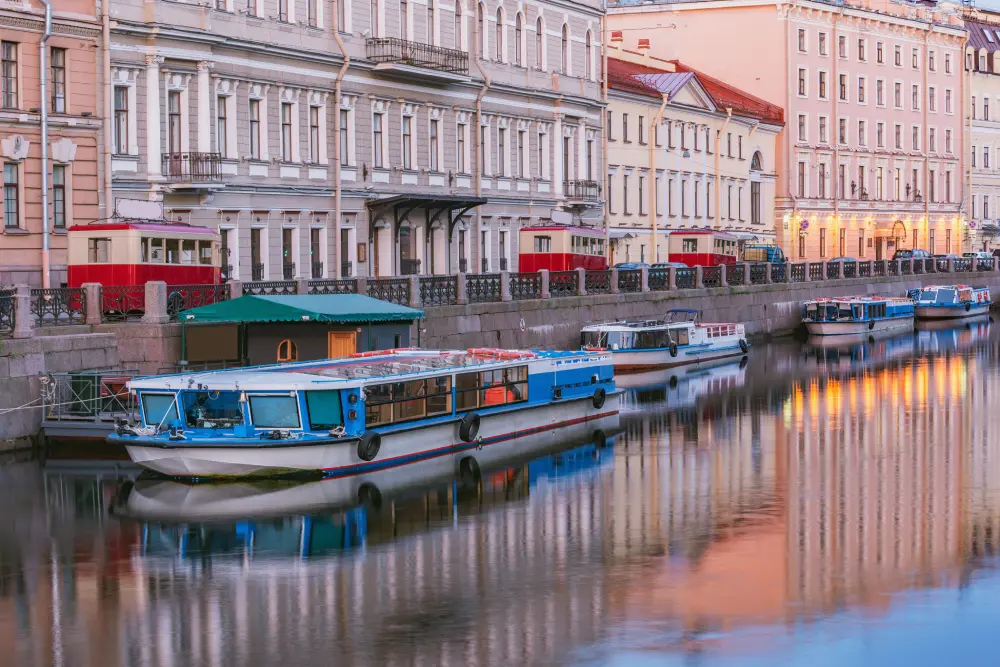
287, 351
565, 49
430, 23
755, 162
482, 31
500, 36
539, 45
589, 65
518, 59
755, 169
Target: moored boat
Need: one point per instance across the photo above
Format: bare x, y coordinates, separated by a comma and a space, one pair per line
938, 302
678, 339
363, 413
857, 315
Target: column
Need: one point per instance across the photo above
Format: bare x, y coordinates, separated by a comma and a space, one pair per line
153, 115
557, 151
581, 151
204, 109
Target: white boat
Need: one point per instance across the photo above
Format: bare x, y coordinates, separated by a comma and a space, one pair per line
938, 302
364, 413
677, 340
853, 315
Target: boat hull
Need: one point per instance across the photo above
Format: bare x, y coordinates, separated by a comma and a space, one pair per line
857, 328
634, 361
955, 312
501, 433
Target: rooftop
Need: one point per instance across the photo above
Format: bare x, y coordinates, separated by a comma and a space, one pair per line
338, 308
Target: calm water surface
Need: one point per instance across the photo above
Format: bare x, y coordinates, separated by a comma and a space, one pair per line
816, 506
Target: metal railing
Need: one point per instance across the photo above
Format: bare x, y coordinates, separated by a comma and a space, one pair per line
439, 290
393, 290
525, 286
585, 190
186, 297
257, 272
416, 54
961, 265
658, 280
684, 278
758, 274
711, 276
342, 286
317, 270
288, 271
59, 306
597, 282
630, 281
8, 301
778, 273
346, 269
737, 275
986, 264
194, 167
832, 270
271, 287
878, 267
564, 283
88, 396
798, 273
815, 271
483, 287
121, 303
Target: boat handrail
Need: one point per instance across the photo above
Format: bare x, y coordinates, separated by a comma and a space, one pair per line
497, 353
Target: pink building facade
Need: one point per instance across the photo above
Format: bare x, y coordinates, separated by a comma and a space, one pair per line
871, 157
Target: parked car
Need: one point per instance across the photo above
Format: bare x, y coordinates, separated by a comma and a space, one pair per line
842, 259
911, 254
947, 256
631, 266
979, 254
671, 265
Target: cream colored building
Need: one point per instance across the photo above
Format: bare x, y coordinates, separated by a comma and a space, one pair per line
982, 65
708, 164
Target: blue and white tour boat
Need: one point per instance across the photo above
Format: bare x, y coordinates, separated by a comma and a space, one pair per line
857, 315
938, 302
367, 412
678, 339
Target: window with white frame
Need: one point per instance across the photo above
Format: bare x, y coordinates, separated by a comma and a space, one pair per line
379, 147
862, 133
501, 36
254, 127
123, 132
803, 131
862, 89
842, 131
523, 168
802, 40
347, 135
60, 209
315, 134
822, 84
931, 99
821, 44
459, 26
462, 148
880, 92
287, 115
932, 140
502, 153
915, 138
842, 85
225, 126
565, 51
406, 139
947, 141
544, 150
915, 97
897, 94
434, 144
898, 143
404, 19
947, 100
432, 28
589, 56
518, 40
540, 55
802, 81
880, 134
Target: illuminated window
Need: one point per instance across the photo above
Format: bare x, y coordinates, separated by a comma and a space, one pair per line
287, 351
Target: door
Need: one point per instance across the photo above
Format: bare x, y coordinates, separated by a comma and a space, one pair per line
878, 247
340, 344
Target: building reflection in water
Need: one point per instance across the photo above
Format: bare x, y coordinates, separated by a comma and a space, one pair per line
781, 492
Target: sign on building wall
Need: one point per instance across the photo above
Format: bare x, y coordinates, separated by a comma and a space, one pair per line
138, 209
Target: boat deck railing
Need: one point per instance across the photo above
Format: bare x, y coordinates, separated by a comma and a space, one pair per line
87, 401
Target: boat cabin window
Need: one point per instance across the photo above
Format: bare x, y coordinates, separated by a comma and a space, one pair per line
211, 409
274, 411
651, 340
844, 312
99, 251
543, 244
859, 311
927, 295
689, 245
405, 401
946, 295
680, 336
324, 410
159, 408
594, 339
489, 388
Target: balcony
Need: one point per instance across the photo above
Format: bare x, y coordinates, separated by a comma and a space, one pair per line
193, 170
400, 57
587, 192
346, 269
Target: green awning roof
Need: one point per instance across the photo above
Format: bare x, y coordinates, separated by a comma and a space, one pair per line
340, 308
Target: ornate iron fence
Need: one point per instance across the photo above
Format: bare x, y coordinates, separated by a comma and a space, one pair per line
658, 280
630, 280
684, 278
483, 287
186, 297
564, 283
257, 272
833, 270
585, 190
439, 290
121, 303
711, 276
193, 167
271, 287
930, 266
393, 290
918, 266
892, 267
986, 264
816, 271
962, 265
864, 269
736, 274
416, 54
878, 267
778, 273
343, 286
758, 274
8, 300
525, 286
905, 267
597, 282
59, 306
850, 269
798, 273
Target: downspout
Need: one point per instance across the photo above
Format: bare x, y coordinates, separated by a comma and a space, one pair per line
477, 51
108, 111
605, 129
718, 178
337, 186
788, 139
653, 222
927, 154
44, 106
835, 127
965, 84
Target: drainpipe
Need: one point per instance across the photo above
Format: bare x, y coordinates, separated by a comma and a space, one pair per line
108, 112
790, 151
478, 133
835, 128
337, 187
927, 154
718, 179
605, 129
44, 106
653, 222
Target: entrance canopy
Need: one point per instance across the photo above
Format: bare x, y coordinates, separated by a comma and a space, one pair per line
335, 308
435, 206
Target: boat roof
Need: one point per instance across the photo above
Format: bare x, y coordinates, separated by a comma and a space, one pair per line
930, 287
861, 299
143, 226
337, 308
359, 369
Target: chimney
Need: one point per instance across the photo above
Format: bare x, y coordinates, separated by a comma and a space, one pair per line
616, 37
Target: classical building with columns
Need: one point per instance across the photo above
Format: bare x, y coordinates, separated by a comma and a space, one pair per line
446, 128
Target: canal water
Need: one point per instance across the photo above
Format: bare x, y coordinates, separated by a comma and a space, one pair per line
834, 505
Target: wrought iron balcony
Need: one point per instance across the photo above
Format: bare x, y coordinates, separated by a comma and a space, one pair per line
396, 51
192, 167
346, 269
463, 265
582, 190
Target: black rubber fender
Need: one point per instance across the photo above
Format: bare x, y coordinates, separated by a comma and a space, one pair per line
871, 325
744, 345
600, 439
370, 496
600, 396
369, 444
743, 362
469, 473
468, 429
968, 307
673, 349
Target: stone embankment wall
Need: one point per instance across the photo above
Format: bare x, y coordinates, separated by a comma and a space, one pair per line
767, 310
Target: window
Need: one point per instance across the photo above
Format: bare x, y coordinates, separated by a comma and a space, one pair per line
822, 130
930, 61
931, 99
8, 74
822, 242
947, 100
489, 388
802, 82
431, 38
915, 138
861, 243
947, 141
821, 181
842, 132
625, 127
879, 55
973, 107
916, 58
625, 177
377, 139
286, 132
459, 42
58, 57
159, 408
277, 411
283, 10
898, 144
898, 95
642, 188
932, 140
501, 33
99, 250
947, 186
254, 129
435, 145
986, 157
463, 130
879, 182
822, 85
345, 152
481, 18
518, 56
543, 244
340, 14
898, 55
986, 108
802, 40
947, 63
539, 45
755, 201
565, 49
59, 195
802, 179
522, 169
915, 97
174, 122
120, 137
842, 46
880, 92
314, 135
221, 130
841, 180
880, 134
862, 133
862, 85
843, 87
862, 55
822, 43
407, 145
502, 153
312, 13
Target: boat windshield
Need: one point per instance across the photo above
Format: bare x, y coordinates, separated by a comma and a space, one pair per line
845, 312
946, 295
593, 339
928, 295
651, 340
159, 408
211, 409
274, 411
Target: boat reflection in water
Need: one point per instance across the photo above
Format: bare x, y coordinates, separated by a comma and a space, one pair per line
680, 387
283, 518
